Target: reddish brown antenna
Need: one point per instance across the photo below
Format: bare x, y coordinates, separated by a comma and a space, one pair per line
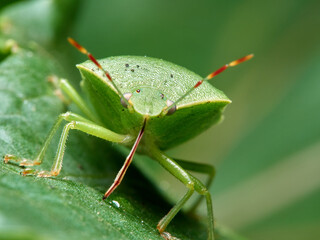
210, 76
94, 60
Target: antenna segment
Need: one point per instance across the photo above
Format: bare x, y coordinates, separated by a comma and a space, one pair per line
210, 76
94, 60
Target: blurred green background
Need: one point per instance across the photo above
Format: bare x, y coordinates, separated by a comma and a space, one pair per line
267, 149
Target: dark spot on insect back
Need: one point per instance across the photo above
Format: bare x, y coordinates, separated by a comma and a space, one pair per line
127, 65
132, 70
171, 75
138, 66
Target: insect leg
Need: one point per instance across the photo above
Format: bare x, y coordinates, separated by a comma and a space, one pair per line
79, 123
68, 116
201, 168
87, 127
191, 182
202, 190
177, 171
66, 87
126, 164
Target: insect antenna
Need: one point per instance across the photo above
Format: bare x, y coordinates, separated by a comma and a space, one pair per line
210, 76
94, 60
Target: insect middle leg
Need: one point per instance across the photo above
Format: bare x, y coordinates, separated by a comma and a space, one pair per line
191, 183
75, 122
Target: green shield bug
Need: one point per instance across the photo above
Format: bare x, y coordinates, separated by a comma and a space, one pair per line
140, 102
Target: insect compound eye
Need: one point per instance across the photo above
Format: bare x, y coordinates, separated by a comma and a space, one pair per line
172, 109
126, 96
138, 91
162, 95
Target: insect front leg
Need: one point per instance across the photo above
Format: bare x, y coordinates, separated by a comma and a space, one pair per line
68, 116
126, 164
191, 183
75, 122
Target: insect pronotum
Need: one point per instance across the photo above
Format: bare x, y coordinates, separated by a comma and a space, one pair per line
140, 102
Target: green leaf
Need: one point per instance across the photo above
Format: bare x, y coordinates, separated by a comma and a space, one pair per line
38, 20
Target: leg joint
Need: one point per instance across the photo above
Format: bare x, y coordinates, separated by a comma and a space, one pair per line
190, 185
204, 191
65, 115
72, 125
